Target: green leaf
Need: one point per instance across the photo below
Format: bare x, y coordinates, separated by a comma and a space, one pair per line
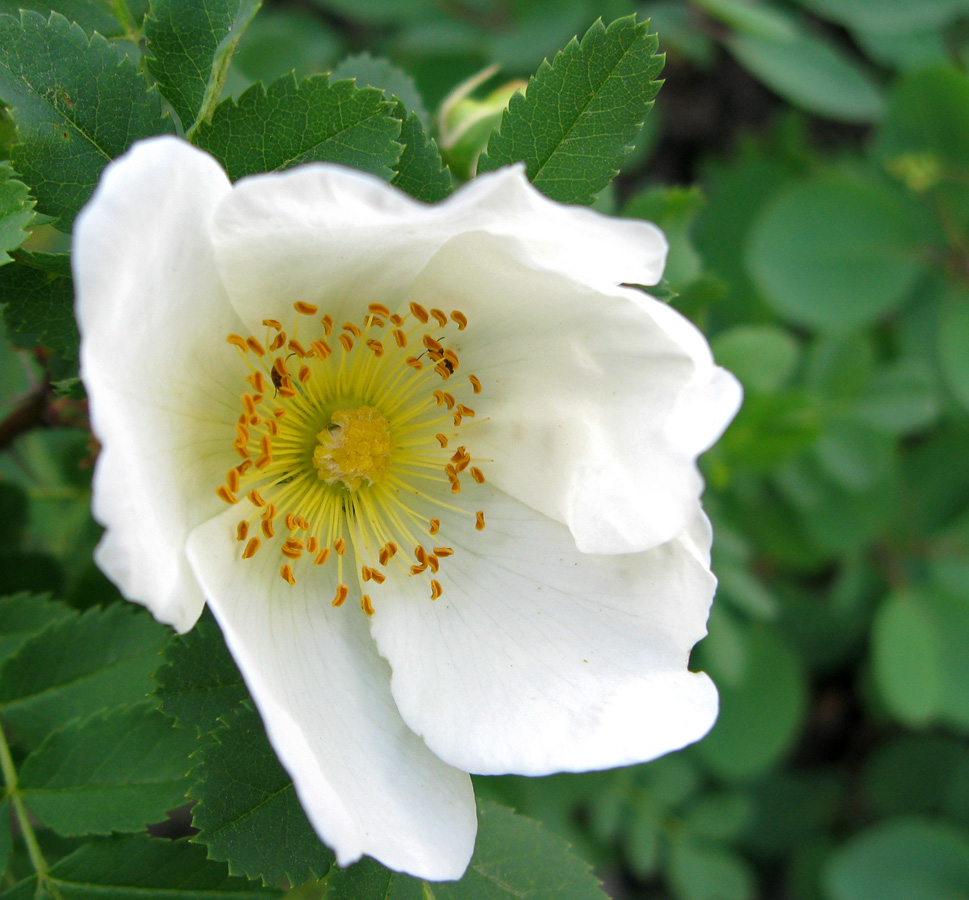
91, 15
834, 253
24, 615
16, 212
199, 681
702, 870
243, 795
420, 171
190, 44
60, 85
286, 124
953, 339
763, 357
759, 716
79, 666
901, 859
143, 867
889, 16
39, 294
577, 120
514, 858
6, 837
813, 73
116, 771
385, 76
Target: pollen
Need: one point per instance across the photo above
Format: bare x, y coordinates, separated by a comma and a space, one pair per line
352, 448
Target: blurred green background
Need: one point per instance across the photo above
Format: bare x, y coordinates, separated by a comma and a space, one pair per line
809, 161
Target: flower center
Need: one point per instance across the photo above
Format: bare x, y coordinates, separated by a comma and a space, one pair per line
355, 449
351, 447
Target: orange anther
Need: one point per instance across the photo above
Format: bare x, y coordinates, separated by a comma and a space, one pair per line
379, 309
436, 589
396, 320
475, 384
342, 592
312, 545
272, 323
297, 348
376, 346
400, 337
479, 522
441, 439
258, 382
278, 341
322, 557
432, 344
347, 342
239, 342
269, 513
419, 312
414, 363
433, 562
304, 374
251, 548
279, 367
477, 475
443, 551
435, 526
232, 480
267, 528
255, 346
460, 318
366, 605
440, 315
291, 521
340, 546
466, 410
352, 328
287, 574
256, 498
378, 576
307, 309
321, 348
224, 493
290, 552
242, 531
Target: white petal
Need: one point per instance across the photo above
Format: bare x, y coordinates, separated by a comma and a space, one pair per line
338, 238
368, 783
595, 404
538, 658
153, 318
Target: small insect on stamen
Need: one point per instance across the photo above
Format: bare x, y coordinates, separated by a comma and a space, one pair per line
287, 574
242, 531
225, 494
440, 315
419, 312
477, 474
255, 346
239, 341
366, 605
342, 592
460, 318
436, 589
307, 309
251, 548
479, 520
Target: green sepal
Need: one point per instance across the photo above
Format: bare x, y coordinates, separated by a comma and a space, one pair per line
579, 116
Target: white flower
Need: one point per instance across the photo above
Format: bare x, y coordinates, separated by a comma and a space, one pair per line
310, 388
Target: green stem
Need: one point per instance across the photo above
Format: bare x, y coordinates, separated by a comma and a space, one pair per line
26, 829
123, 15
